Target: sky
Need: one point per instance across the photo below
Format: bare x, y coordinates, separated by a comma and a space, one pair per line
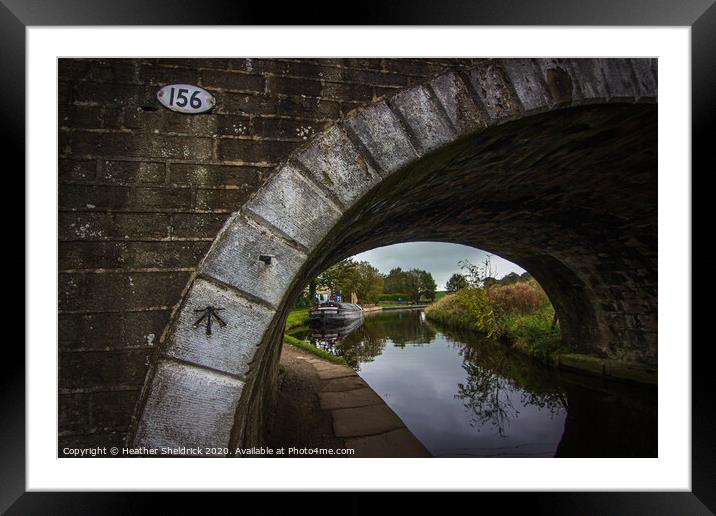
440, 259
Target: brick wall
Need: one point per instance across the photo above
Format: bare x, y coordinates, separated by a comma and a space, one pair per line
143, 192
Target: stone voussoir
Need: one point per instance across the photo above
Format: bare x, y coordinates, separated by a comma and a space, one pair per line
234, 260
229, 348
381, 134
289, 192
188, 406
334, 162
492, 86
429, 126
527, 81
453, 95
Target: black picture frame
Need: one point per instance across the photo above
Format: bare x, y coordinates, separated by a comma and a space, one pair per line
700, 15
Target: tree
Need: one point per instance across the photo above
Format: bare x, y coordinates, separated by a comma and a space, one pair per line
427, 285
456, 282
349, 276
418, 284
512, 277
395, 282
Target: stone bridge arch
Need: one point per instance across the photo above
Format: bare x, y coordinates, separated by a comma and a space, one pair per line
550, 163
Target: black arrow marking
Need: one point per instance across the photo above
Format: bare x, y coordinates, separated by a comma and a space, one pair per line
209, 312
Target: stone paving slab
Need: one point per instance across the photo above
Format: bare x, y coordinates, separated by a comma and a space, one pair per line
334, 372
397, 443
363, 421
360, 417
344, 384
349, 399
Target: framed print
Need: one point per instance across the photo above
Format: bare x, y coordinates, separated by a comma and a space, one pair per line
446, 258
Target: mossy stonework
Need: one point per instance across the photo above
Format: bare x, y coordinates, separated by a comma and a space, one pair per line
550, 163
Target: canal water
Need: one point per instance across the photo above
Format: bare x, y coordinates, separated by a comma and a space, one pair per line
464, 396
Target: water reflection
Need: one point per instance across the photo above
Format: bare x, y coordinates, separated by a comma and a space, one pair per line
464, 396
399, 328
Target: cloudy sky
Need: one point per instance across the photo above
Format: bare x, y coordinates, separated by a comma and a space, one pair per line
437, 258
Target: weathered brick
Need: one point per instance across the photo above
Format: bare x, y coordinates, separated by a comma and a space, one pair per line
111, 330
155, 145
232, 81
112, 291
222, 198
234, 125
100, 226
76, 170
113, 70
347, 91
163, 121
112, 410
91, 197
229, 102
162, 75
114, 94
81, 117
197, 225
73, 413
74, 69
193, 63
308, 107
215, 175
130, 172
294, 86
286, 127
96, 369
159, 198
144, 328
118, 255
254, 151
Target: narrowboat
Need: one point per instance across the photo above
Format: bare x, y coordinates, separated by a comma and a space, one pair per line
336, 313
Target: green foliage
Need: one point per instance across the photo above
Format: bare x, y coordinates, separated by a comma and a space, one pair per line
512, 309
297, 317
456, 282
469, 308
416, 283
533, 333
349, 276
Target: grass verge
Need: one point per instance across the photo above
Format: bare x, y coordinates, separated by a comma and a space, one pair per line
297, 317
302, 344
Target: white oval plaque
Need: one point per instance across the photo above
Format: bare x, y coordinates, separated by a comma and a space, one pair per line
185, 98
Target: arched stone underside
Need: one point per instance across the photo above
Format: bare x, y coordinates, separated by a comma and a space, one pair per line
550, 163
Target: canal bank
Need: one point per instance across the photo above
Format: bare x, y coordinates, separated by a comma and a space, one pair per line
322, 404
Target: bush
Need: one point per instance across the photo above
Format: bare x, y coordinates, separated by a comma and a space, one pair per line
533, 333
524, 297
469, 308
517, 312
